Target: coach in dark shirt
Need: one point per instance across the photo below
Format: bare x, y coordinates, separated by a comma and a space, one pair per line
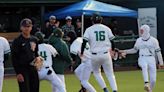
24, 51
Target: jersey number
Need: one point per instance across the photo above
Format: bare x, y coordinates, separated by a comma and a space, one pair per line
100, 35
43, 54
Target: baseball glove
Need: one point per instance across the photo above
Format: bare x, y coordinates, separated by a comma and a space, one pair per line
38, 62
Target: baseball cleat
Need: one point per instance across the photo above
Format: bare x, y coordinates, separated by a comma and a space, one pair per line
105, 90
82, 90
147, 87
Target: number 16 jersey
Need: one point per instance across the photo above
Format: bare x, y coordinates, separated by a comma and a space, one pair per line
98, 37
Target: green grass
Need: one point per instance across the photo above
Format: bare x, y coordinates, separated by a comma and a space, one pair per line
129, 81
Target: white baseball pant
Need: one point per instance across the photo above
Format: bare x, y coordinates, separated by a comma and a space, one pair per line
62, 79
53, 78
83, 72
148, 66
104, 60
1, 76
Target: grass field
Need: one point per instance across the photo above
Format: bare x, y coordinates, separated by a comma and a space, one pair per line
129, 81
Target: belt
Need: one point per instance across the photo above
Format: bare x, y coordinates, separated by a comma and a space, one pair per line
97, 53
146, 55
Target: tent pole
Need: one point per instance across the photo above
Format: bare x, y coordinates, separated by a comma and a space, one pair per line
82, 24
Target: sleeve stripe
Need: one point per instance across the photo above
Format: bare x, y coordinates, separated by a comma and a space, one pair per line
111, 38
135, 48
73, 52
157, 50
86, 38
7, 51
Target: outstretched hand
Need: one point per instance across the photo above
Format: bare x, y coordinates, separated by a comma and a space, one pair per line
122, 53
160, 66
117, 54
112, 53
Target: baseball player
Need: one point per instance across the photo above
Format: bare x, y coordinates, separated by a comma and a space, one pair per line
46, 72
148, 47
4, 49
84, 70
98, 36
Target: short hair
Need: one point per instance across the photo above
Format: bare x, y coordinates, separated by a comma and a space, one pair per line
96, 18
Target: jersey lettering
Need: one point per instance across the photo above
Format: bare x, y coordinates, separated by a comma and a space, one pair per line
43, 54
100, 35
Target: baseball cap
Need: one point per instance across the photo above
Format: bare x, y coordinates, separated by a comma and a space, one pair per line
52, 17
68, 18
58, 32
40, 36
26, 22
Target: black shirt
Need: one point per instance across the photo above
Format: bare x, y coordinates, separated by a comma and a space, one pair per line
24, 51
49, 31
78, 32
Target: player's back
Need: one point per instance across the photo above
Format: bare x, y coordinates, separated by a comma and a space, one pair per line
75, 47
98, 36
46, 52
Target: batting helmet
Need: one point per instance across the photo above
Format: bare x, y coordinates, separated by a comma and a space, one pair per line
96, 18
40, 36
